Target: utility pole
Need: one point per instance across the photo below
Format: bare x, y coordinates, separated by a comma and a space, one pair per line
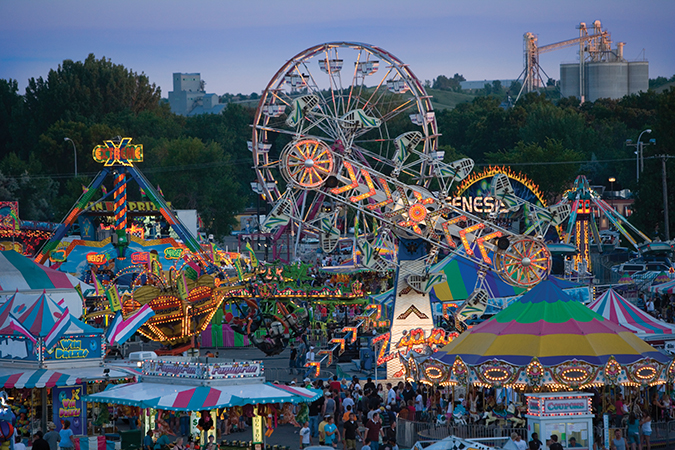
664, 181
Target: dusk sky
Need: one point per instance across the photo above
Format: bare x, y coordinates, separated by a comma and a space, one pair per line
237, 46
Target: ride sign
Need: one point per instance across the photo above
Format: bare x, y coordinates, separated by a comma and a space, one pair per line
122, 153
173, 253
205, 371
566, 406
97, 259
140, 258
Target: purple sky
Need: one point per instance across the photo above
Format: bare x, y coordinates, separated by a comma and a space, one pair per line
237, 46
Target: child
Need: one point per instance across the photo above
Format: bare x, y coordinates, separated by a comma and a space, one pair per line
345, 416
305, 438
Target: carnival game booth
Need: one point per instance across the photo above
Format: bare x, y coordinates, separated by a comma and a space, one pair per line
203, 386
49, 359
617, 309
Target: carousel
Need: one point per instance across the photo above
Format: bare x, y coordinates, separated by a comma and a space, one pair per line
544, 341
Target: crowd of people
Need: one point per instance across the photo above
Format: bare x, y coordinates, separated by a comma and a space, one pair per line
349, 413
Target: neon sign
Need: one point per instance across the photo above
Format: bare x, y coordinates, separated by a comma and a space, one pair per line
479, 204
173, 253
146, 206
97, 259
140, 258
70, 349
417, 337
123, 154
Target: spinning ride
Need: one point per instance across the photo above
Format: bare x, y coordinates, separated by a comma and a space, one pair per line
184, 297
335, 141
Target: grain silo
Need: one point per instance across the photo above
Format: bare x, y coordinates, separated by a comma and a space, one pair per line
604, 73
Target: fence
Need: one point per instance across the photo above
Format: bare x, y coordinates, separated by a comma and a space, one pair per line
663, 434
409, 432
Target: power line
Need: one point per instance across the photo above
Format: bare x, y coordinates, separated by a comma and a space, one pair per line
555, 163
186, 167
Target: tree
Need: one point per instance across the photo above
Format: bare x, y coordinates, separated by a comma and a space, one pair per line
448, 84
10, 107
88, 91
542, 164
194, 175
497, 87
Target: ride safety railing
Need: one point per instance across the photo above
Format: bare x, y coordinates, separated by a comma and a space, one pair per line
409, 432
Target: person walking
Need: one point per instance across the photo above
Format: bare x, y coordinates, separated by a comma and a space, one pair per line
292, 361
646, 426
309, 357
350, 431
315, 409
332, 436
66, 434
38, 442
305, 436
374, 432
52, 437
555, 445
619, 442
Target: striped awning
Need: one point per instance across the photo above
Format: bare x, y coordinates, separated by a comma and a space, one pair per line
178, 397
38, 379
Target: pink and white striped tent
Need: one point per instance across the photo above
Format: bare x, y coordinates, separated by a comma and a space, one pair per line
617, 309
23, 275
664, 288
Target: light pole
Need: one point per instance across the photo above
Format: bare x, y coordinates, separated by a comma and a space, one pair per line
639, 152
611, 181
74, 152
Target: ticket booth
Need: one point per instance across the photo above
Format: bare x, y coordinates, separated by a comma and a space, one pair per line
567, 415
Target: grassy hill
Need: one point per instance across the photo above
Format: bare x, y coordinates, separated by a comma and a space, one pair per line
664, 87
448, 99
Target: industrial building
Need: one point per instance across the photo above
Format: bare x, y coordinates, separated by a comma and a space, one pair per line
189, 98
602, 71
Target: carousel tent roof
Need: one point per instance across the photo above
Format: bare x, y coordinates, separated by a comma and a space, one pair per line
614, 307
548, 324
178, 397
19, 273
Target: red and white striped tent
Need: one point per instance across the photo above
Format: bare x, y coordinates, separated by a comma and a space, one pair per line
617, 309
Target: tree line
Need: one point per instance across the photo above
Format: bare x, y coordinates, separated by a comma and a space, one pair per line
199, 162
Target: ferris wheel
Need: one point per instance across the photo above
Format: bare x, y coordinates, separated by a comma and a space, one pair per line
339, 97
348, 125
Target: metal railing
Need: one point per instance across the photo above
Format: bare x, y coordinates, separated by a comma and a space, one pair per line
663, 433
409, 432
